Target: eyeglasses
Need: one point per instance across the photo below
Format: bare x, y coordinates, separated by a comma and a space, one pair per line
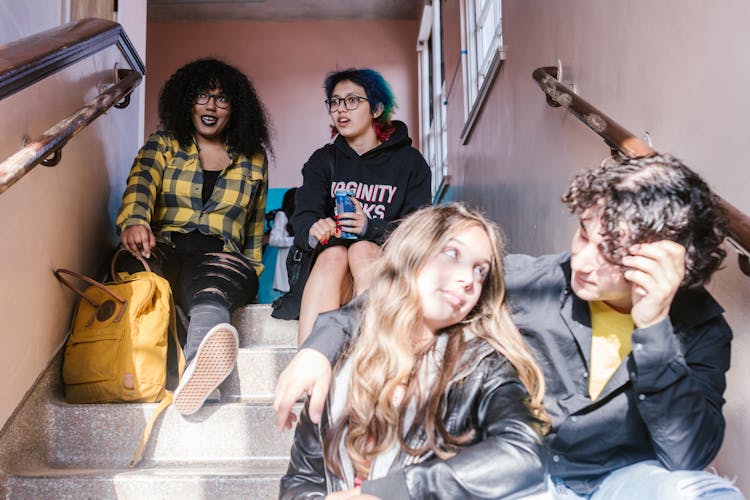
220, 100
351, 102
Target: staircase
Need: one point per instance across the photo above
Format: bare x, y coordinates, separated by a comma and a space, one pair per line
231, 449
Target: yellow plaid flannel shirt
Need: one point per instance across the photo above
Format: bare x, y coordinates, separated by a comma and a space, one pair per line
164, 191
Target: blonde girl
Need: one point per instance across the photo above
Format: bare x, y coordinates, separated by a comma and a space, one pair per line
437, 395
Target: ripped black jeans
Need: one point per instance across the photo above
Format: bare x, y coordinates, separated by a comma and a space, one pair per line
207, 283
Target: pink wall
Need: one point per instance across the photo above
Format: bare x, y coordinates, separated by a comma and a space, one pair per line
287, 62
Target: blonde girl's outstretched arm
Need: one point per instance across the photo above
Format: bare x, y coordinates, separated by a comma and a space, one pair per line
310, 370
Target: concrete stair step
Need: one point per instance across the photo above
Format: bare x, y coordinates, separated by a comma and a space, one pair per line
254, 479
256, 373
106, 436
257, 328
229, 449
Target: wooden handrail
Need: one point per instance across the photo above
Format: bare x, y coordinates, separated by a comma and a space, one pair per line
620, 140
52, 141
31, 59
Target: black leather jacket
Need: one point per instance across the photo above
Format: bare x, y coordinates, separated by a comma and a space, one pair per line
505, 459
664, 402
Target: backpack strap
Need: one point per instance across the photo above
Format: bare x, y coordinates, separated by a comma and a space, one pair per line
163, 405
122, 250
96, 305
168, 395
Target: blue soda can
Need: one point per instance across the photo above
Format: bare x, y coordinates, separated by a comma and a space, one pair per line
344, 204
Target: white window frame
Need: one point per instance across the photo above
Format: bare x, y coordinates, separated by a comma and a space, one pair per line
482, 45
432, 121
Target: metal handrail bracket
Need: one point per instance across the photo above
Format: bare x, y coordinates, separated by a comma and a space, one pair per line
52, 141
619, 139
31, 59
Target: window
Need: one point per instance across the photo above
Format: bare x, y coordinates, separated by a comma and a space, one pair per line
432, 122
483, 46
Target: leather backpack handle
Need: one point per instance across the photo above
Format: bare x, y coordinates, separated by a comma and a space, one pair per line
123, 302
121, 250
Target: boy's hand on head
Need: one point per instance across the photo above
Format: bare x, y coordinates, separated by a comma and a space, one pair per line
309, 372
656, 271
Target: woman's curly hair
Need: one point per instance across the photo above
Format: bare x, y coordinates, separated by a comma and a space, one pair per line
652, 198
247, 131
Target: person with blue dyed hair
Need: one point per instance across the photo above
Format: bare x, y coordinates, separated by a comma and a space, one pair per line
372, 159
376, 89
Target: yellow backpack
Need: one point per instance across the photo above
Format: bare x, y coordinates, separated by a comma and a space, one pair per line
117, 349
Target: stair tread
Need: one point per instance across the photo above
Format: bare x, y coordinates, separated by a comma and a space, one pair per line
253, 400
228, 449
261, 467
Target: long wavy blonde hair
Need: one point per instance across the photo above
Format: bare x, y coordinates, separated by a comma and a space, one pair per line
384, 360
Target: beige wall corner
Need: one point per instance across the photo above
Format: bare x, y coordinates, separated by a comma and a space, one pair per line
60, 216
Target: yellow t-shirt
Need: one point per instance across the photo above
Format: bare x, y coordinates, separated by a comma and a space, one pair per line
610, 344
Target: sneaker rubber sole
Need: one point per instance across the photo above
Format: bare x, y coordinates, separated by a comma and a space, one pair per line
213, 362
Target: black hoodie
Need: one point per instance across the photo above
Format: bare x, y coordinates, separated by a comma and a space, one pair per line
390, 180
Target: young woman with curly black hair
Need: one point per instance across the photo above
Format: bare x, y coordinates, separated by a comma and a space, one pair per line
194, 207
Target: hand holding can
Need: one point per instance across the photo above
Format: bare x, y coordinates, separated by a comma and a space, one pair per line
344, 204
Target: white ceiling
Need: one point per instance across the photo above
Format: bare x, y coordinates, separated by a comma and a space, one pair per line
280, 10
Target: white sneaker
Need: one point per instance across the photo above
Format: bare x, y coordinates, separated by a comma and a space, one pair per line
214, 361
